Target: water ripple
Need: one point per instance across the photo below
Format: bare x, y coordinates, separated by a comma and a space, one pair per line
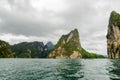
56, 69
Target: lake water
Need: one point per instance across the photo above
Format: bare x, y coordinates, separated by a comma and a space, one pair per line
59, 69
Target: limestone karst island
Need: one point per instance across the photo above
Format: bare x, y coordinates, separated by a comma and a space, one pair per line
113, 36
68, 46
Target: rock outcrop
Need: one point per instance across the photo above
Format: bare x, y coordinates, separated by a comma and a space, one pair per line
68, 46
113, 36
5, 50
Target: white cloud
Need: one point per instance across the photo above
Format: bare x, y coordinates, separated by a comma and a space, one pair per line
51, 5
14, 39
5, 5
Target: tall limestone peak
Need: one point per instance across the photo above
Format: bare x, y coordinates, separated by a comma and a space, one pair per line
71, 38
68, 46
5, 51
113, 36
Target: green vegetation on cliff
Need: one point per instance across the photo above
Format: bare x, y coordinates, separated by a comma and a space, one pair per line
86, 54
24, 50
114, 18
31, 49
5, 51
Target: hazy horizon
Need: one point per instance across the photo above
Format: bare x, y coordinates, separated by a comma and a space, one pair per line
48, 20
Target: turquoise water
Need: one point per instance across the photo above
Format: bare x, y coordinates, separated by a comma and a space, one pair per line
59, 69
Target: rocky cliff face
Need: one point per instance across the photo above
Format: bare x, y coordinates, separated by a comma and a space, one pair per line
31, 49
113, 36
68, 46
5, 51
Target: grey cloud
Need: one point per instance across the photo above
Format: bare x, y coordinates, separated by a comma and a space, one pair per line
20, 22
90, 17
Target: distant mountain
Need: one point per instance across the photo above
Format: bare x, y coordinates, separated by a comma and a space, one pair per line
50, 45
5, 51
113, 36
69, 46
31, 49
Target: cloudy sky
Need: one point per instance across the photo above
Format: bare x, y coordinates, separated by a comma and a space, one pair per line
47, 20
